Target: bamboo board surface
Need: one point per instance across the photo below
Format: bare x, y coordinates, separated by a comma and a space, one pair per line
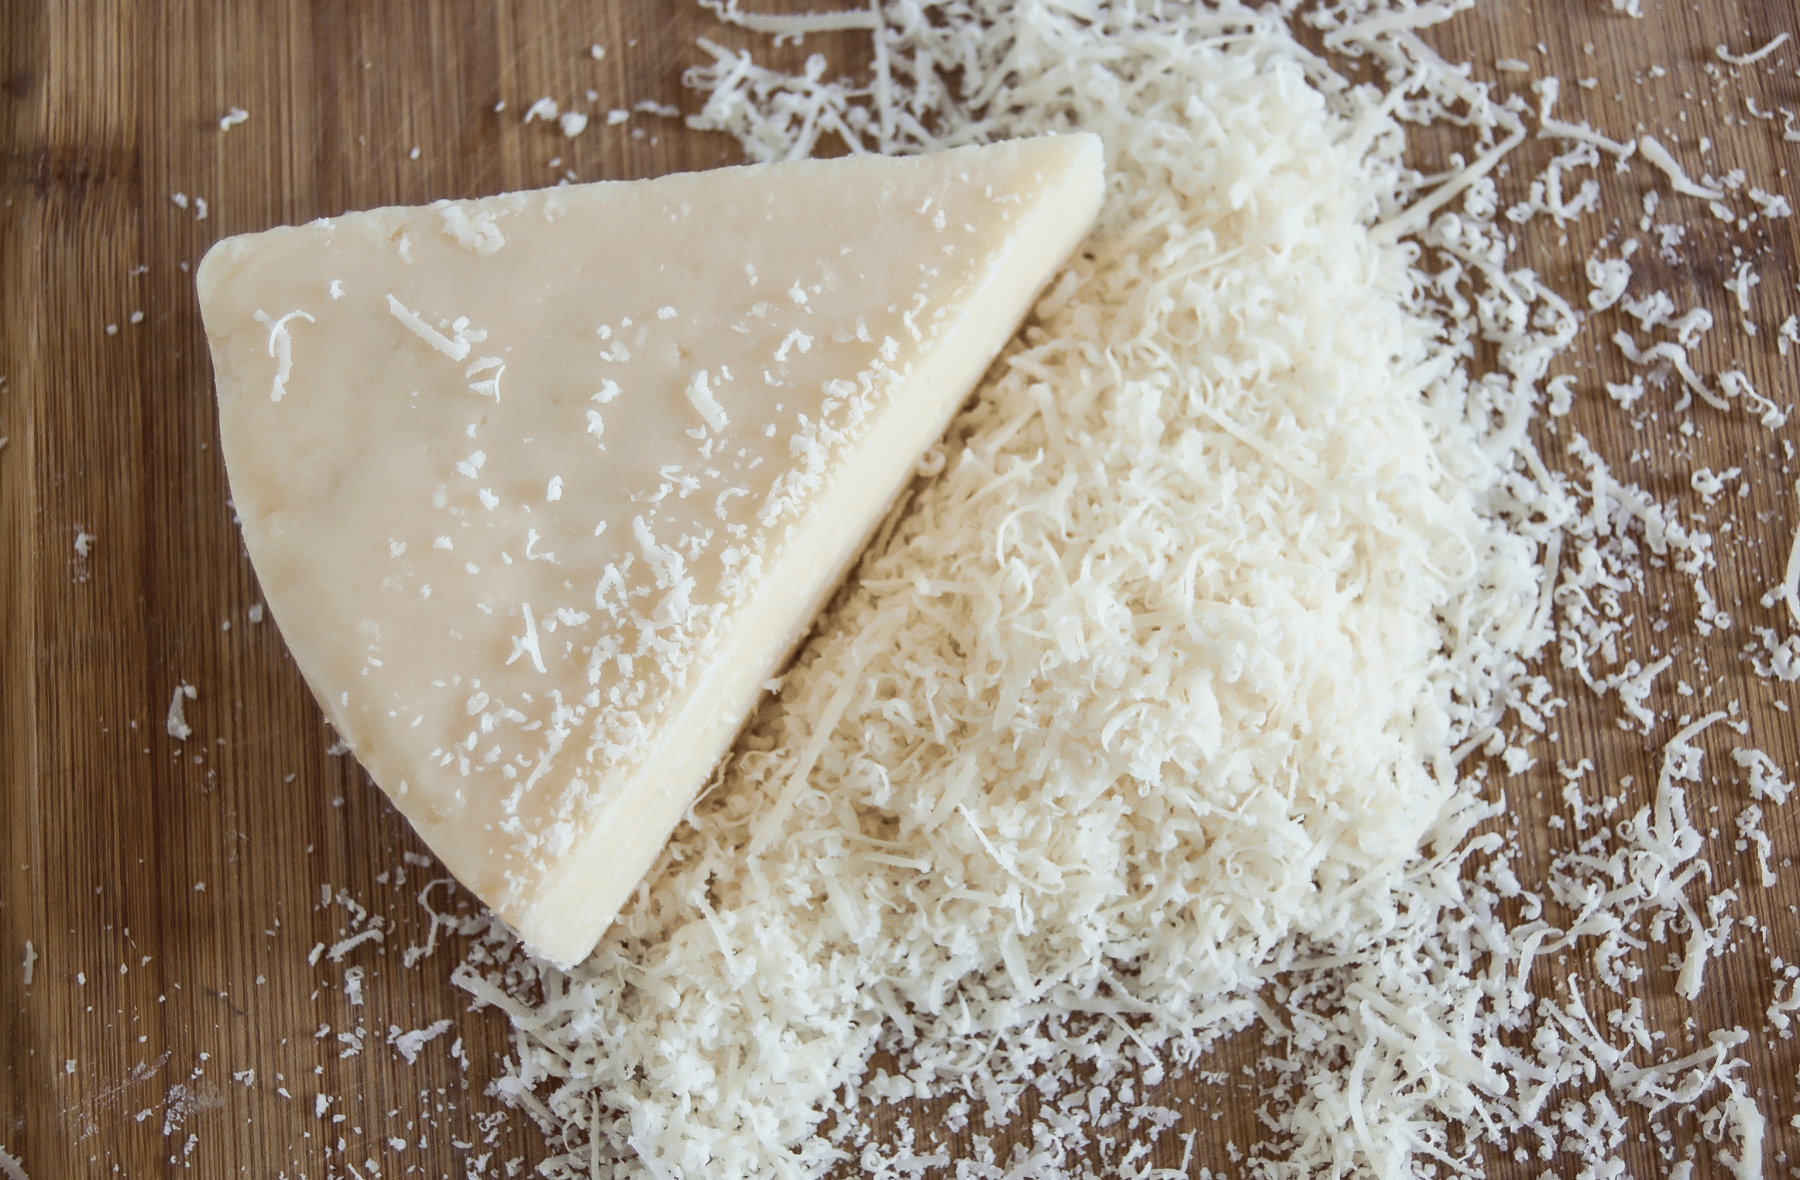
172, 891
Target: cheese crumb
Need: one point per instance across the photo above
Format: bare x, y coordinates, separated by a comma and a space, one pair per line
700, 396
409, 1044
456, 348
281, 347
176, 723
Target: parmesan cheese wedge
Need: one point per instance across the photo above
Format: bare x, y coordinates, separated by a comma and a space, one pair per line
543, 487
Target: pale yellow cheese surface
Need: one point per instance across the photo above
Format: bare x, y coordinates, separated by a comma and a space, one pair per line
541, 488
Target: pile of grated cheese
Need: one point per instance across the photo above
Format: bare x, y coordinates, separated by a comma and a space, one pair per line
1148, 718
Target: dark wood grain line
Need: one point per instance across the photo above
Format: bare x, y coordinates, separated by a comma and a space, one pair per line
25, 1072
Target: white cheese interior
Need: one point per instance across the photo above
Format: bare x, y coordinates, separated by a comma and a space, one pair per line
542, 487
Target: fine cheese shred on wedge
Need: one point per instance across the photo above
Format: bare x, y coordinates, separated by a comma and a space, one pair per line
543, 487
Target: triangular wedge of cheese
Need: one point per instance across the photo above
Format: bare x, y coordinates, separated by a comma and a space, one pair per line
542, 488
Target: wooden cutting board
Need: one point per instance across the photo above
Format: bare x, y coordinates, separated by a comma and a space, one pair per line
172, 891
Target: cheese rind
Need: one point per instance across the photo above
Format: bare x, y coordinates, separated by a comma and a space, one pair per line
543, 487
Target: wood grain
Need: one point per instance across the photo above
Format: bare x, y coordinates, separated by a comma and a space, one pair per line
172, 890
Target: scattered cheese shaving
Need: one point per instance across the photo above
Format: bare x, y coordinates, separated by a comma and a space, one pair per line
1750, 59
176, 724
700, 396
1658, 155
409, 1044
281, 347
455, 348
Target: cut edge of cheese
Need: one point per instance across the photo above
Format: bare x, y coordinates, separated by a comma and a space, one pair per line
568, 914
